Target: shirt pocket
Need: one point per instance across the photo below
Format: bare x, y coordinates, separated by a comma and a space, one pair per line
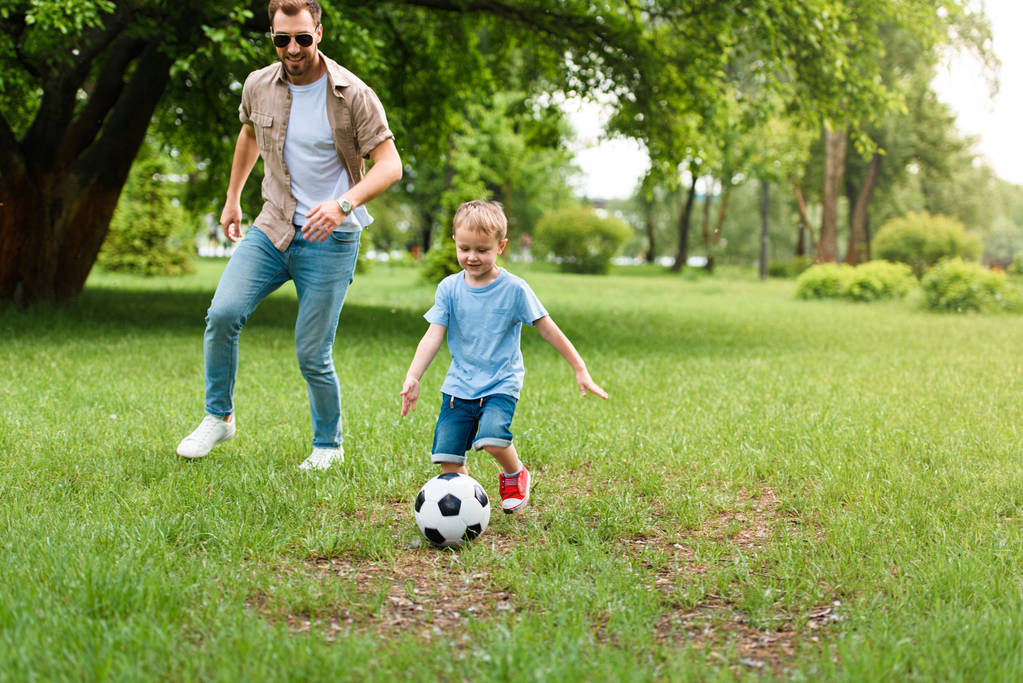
263, 125
497, 320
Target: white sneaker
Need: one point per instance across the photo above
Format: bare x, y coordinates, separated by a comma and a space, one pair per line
210, 432
323, 458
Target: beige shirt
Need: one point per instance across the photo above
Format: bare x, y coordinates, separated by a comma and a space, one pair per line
356, 117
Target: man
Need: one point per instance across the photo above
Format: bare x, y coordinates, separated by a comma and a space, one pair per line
314, 123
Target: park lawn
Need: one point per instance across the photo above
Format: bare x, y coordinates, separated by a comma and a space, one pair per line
776, 488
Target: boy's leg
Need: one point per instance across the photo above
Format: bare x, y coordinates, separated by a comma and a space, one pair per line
495, 437
507, 457
452, 437
322, 272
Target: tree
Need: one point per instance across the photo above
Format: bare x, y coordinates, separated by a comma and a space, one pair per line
906, 39
735, 65
84, 79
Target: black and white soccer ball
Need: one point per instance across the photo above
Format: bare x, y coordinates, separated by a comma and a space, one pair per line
451, 509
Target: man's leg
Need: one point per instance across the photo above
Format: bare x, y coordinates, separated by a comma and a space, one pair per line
322, 272
255, 269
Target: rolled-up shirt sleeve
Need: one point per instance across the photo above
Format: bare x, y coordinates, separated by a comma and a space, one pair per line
370, 121
245, 106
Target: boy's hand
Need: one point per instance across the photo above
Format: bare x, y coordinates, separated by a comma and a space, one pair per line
409, 395
583, 379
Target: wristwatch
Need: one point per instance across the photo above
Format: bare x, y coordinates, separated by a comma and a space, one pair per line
346, 206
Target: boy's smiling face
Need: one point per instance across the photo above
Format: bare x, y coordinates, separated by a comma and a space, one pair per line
477, 255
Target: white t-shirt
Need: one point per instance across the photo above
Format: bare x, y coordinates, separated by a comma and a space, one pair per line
317, 174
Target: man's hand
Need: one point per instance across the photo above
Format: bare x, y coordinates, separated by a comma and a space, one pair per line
409, 395
585, 382
231, 221
322, 220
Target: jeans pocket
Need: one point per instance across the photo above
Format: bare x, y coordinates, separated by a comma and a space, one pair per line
346, 237
346, 250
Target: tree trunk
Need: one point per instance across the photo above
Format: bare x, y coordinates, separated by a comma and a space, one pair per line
682, 255
858, 217
834, 165
651, 240
867, 237
804, 224
59, 187
706, 224
765, 207
722, 212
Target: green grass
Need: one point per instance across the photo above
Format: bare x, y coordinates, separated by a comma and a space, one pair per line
776, 488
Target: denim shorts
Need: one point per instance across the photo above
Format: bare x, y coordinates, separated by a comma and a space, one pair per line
471, 424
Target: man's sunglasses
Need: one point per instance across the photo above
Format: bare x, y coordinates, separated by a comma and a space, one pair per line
284, 39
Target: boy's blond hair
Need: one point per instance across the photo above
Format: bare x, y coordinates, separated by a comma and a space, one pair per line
483, 217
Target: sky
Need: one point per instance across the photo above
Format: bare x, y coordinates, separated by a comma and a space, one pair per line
613, 168
996, 120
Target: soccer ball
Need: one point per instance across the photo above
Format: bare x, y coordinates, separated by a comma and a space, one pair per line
451, 509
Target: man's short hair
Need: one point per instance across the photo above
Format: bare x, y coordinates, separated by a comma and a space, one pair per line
484, 217
293, 7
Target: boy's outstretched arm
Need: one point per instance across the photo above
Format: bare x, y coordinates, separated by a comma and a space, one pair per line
549, 330
425, 352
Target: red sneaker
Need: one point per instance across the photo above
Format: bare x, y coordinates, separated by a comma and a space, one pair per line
514, 491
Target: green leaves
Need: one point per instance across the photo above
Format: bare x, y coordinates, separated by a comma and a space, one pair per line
68, 17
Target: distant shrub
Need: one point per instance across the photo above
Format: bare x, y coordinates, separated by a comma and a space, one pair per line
1016, 268
870, 281
824, 281
921, 240
441, 261
363, 264
876, 280
790, 268
583, 241
149, 234
958, 286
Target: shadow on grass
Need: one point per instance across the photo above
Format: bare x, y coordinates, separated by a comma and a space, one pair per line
107, 312
101, 312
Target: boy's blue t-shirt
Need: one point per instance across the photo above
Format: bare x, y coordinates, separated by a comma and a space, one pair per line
484, 327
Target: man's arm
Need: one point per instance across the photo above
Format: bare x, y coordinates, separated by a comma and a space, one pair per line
556, 338
425, 353
386, 171
246, 151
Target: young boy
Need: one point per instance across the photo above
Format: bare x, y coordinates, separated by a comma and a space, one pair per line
482, 310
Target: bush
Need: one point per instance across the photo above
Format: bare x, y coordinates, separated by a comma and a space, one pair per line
441, 261
957, 286
363, 264
791, 268
583, 241
921, 240
148, 231
824, 281
877, 280
1016, 268
871, 281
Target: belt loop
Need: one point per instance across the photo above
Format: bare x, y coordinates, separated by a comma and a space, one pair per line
481, 403
452, 401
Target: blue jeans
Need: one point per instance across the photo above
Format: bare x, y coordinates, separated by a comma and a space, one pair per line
465, 424
322, 272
